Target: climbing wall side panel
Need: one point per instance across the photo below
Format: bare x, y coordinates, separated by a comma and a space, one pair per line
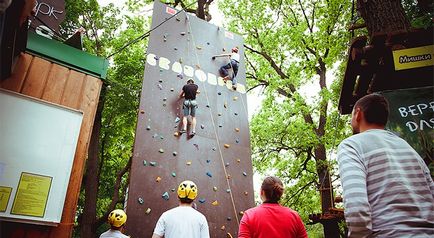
218, 158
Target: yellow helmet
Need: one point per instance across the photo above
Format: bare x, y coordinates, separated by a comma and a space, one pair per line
117, 218
187, 189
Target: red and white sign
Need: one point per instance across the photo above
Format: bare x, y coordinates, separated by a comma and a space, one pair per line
170, 10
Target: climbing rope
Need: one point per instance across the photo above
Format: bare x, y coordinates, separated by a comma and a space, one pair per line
213, 122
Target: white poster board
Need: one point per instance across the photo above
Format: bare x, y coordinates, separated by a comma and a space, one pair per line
37, 147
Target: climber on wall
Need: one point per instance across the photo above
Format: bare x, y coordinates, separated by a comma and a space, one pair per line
224, 70
189, 106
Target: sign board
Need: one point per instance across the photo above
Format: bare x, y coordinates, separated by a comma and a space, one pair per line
37, 147
49, 14
412, 117
414, 57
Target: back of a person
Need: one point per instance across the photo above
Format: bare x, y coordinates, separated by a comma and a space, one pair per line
113, 234
398, 186
190, 91
183, 222
273, 220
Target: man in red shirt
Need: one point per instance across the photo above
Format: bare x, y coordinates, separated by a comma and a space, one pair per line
270, 219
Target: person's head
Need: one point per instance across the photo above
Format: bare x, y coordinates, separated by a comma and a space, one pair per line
117, 219
190, 81
187, 191
271, 189
370, 111
235, 49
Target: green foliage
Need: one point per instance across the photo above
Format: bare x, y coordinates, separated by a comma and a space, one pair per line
291, 44
420, 13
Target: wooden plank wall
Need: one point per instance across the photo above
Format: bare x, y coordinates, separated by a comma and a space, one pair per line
39, 78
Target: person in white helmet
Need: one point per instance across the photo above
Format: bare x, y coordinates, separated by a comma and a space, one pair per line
116, 219
224, 70
184, 220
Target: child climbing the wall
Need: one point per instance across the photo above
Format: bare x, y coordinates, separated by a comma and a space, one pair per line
116, 219
224, 70
189, 106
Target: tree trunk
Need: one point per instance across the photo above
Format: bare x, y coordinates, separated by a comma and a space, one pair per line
383, 16
200, 11
91, 180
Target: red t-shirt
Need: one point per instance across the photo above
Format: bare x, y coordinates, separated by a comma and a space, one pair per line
271, 220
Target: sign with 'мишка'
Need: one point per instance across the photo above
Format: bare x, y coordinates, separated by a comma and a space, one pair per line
413, 57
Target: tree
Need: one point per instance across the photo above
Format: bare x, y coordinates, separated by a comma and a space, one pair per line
292, 43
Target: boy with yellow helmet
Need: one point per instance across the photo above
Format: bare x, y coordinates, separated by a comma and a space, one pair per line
116, 219
184, 220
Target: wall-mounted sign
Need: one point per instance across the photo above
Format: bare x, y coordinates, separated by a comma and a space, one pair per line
48, 16
413, 57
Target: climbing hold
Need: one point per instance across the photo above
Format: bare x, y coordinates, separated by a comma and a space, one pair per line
245, 174
161, 150
214, 149
165, 196
148, 128
180, 60
228, 218
227, 145
152, 163
160, 80
164, 39
160, 86
173, 174
246, 193
223, 228
156, 57
182, 33
238, 160
207, 43
207, 106
220, 126
140, 200
215, 203
172, 89
162, 137
148, 210
202, 126
158, 179
241, 213
237, 129
225, 105
197, 66
197, 146
214, 188
177, 119
198, 47
154, 135
173, 190
228, 190
237, 140
229, 176
175, 153
209, 174
228, 235
235, 113
219, 114
180, 76
176, 133
223, 49
164, 99
177, 19
188, 162
202, 200
164, 104
175, 48
219, 93
235, 98
208, 160
227, 164
145, 162
161, 70
142, 111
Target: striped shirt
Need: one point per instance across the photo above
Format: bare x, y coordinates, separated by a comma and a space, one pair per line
387, 188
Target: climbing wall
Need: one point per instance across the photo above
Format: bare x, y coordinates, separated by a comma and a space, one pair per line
217, 159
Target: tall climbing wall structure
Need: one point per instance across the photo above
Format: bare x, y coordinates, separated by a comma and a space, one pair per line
217, 158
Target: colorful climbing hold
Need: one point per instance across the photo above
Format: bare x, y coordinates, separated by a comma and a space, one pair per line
158, 179
228, 218
219, 93
160, 81
237, 141
229, 176
235, 98
188, 163
160, 86
165, 196
145, 162
142, 111
154, 135
198, 47
156, 57
140, 200
225, 105
245, 174
235, 113
215, 203
209, 174
220, 126
207, 106
228, 190
148, 210
219, 114
208, 160
161, 150
214, 149
227, 145
246, 193
202, 200
228, 235
162, 137
172, 89
180, 76
177, 119
237, 129
148, 128
214, 188
202, 126
227, 164
223, 228
164, 99
173, 174
152, 163
238, 160
176, 133
197, 66
175, 153
173, 190
182, 33
241, 213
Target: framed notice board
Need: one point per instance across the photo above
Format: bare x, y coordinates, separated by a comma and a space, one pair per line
37, 146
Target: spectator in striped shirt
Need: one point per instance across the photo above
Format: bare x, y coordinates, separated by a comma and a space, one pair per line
387, 187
